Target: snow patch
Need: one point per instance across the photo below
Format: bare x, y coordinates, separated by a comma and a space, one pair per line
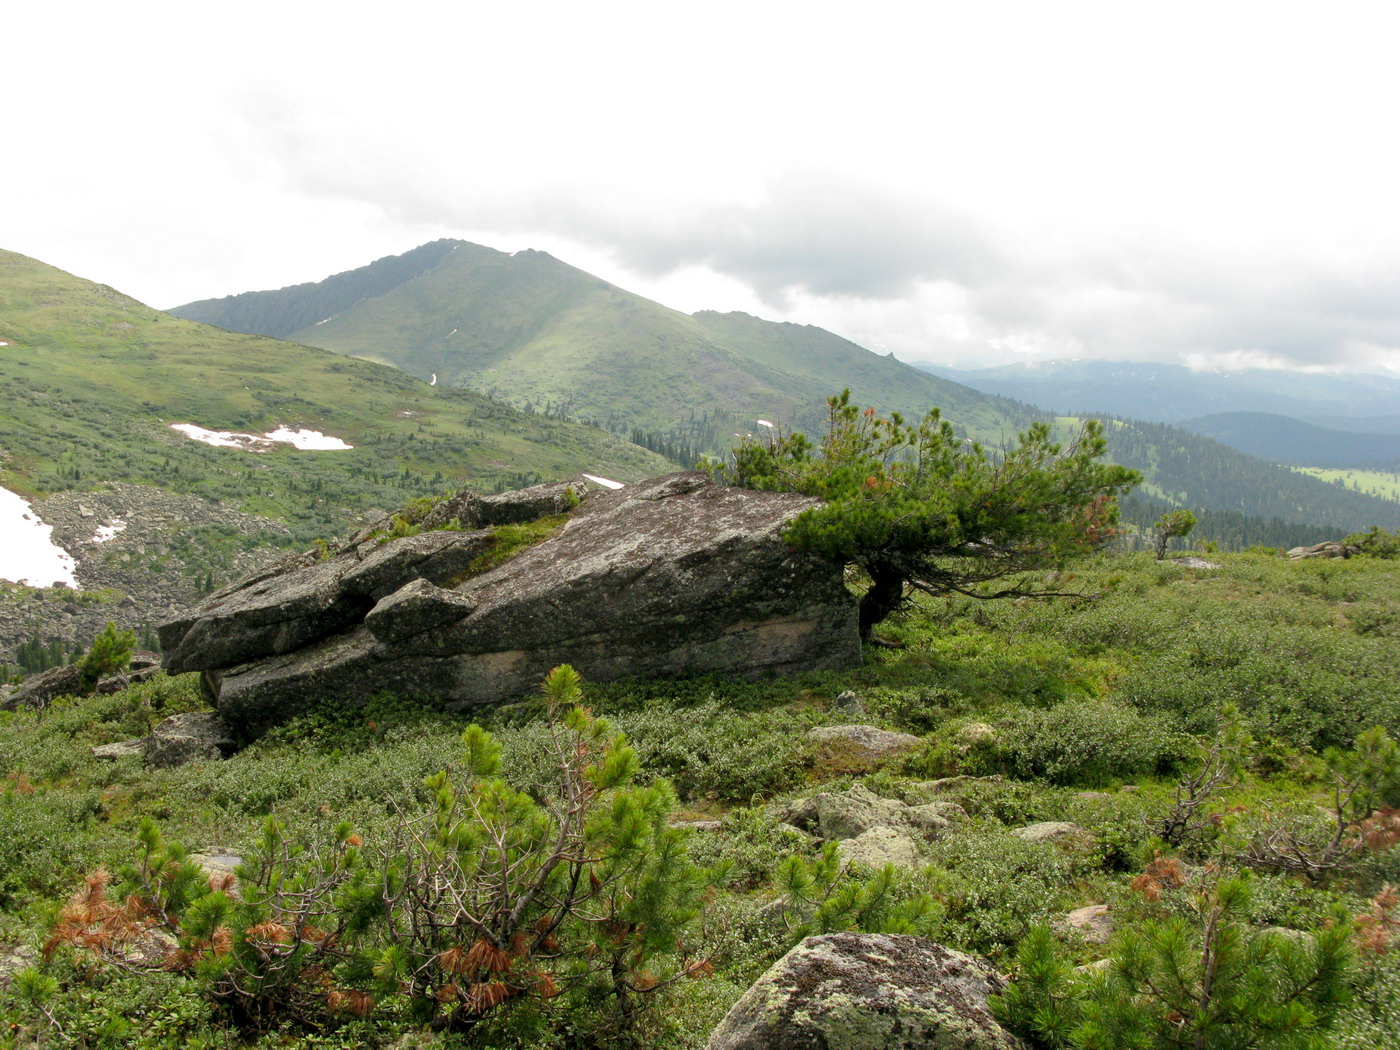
3, 343
28, 553
452, 333
106, 532
433, 381
332, 317
311, 440
604, 482
765, 423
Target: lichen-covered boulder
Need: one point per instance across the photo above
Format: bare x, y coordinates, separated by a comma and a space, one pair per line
879, 846
186, 737
1059, 832
839, 815
865, 746
669, 577
854, 991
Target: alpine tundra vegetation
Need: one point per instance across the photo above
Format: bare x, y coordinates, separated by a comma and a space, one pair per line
1202, 758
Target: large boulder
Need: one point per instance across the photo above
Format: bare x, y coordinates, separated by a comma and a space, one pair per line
863, 991
673, 576
1326, 549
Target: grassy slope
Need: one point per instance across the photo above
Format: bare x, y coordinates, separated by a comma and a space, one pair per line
1379, 483
92, 379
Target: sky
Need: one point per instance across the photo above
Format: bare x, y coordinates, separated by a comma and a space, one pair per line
1211, 184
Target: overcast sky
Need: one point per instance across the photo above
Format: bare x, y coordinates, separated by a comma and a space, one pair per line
968, 183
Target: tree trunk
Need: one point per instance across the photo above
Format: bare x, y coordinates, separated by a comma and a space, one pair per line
884, 597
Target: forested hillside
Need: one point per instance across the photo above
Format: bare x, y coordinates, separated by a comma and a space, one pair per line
1291, 441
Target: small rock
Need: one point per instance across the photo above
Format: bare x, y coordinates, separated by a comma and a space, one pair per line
849, 704
121, 749
184, 738
42, 688
14, 959
1091, 922
880, 846
976, 731
1056, 831
220, 865
1326, 549
698, 825
866, 745
1195, 563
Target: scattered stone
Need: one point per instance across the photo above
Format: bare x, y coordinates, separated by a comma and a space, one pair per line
943, 785
1192, 562
121, 749
849, 704
187, 737
1092, 922
867, 746
117, 682
13, 959
698, 825
973, 732
221, 866
879, 846
836, 816
1056, 831
855, 991
833, 816
42, 689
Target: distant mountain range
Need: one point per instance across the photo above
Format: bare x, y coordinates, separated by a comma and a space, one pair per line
551, 338
539, 333
1286, 440
1173, 393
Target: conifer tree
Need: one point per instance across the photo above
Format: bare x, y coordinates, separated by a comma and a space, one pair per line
916, 506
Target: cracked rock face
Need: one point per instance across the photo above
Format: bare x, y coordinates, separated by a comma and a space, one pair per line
862, 991
670, 577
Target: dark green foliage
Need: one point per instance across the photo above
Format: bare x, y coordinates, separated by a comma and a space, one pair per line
916, 505
1376, 542
109, 654
1175, 524
1161, 650
1080, 743
823, 896
1208, 983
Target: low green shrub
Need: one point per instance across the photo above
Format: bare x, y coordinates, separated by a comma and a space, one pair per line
1080, 743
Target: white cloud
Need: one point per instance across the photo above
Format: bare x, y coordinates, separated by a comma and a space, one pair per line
945, 180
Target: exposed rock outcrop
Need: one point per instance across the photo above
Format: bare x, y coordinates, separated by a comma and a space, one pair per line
176, 740
1327, 549
142, 556
673, 576
867, 992
47, 686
